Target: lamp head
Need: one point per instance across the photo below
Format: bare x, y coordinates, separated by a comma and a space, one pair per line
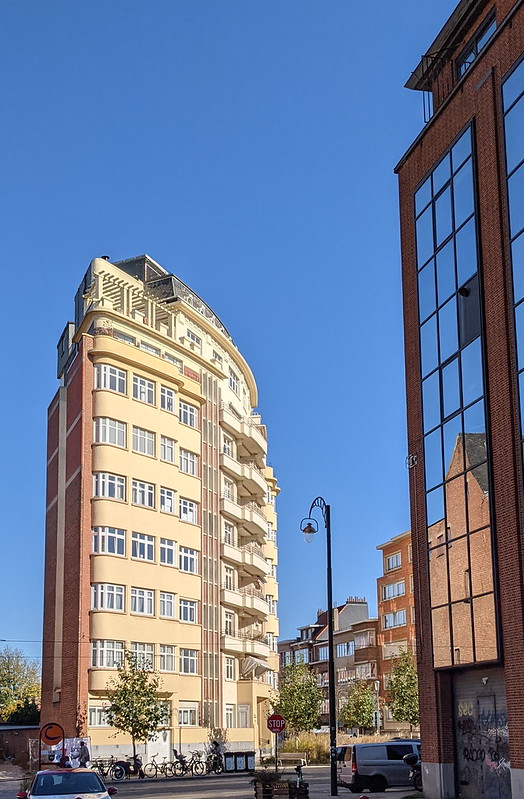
309, 527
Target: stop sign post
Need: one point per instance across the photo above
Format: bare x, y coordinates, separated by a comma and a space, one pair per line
275, 724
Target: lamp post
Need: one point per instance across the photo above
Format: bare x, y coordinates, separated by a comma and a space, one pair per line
309, 527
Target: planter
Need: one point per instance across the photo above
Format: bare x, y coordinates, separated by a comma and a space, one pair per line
283, 788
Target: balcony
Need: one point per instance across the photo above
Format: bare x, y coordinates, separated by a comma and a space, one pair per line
231, 509
244, 643
247, 430
232, 553
230, 465
254, 602
254, 561
231, 597
252, 481
249, 515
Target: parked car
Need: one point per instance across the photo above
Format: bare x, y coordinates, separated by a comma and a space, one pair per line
376, 766
67, 784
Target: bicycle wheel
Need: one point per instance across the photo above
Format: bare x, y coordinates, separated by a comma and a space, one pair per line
218, 768
198, 768
178, 769
150, 770
117, 772
169, 769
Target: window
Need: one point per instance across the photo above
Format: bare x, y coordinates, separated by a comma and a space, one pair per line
188, 414
144, 654
110, 378
176, 361
188, 462
229, 533
194, 339
392, 590
234, 382
302, 656
167, 657
396, 619
411, 584
143, 441
143, 390
167, 500
110, 486
167, 399
167, 552
98, 717
109, 431
167, 449
272, 604
271, 532
124, 337
473, 49
393, 562
142, 601
243, 716
230, 716
322, 653
229, 578
142, 546
365, 671
107, 654
410, 553
167, 605
143, 494
188, 714
230, 668
217, 357
364, 639
188, 610
229, 623
149, 348
188, 661
345, 649
229, 489
228, 446
188, 560
109, 540
287, 658
187, 510
106, 596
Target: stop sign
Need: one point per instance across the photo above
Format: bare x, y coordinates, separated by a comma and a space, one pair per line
276, 723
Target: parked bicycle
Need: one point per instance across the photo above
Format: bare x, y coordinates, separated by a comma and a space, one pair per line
153, 768
194, 766
214, 760
127, 768
108, 767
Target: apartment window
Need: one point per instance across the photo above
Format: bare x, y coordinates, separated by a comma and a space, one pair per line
124, 337
107, 654
109, 431
392, 590
106, 596
176, 361
187, 610
167, 399
167, 500
188, 560
142, 546
229, 623
110, 378
302, 656
271, 532
322, 653
243, 716
364, 639
410, 553
345, 649
393, 562
143, 494
411, 584
167, 449
188, 662
188, 462
230, 716
187, 510
144, 654
396, 619
234, 382
287, 658
143, 441
98, 717
217, 357
188, 414
142, 601
229, 578
188, 714
230, 668
365, 671
167, 657
167, 552
412, 614
194, 339
167, 605
229, 533
143, 390
229, 489
149, 348
110, 486
228, 446
473, 49
109, 540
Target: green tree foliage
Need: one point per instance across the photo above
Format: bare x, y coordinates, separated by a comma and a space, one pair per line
360, 706
19, 680
403, 689
299, 699
27, 712
133, 701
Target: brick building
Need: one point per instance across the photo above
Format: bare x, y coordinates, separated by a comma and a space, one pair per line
461, 187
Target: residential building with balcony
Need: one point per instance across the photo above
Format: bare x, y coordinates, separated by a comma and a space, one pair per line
161, 523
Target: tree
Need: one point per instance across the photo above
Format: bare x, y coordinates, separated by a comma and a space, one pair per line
299, 699
27, 712
403, 689
134, 706
360, 706
19, 680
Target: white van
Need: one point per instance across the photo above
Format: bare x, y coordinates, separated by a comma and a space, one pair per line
376, 766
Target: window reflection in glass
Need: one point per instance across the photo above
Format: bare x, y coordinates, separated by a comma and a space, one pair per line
434, 506
456, 507
431, 401
519, 326
441, 174
461, 150
447, 317
459, 585
466, 246
428, 345
475, 422
463, 194
481, 565
423, 196
426, 290
433, 459
513, 86
446, 272
450, 388
478, 497
516, 201
485, 629
517, 257
438, 580
462, 633
514, 138
425, 236
453, 451
471, 365
441, 637
443, 216
469, 311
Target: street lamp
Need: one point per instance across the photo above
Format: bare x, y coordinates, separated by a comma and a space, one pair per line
309, 527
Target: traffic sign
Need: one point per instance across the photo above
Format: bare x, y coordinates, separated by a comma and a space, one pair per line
276, 723
51, 734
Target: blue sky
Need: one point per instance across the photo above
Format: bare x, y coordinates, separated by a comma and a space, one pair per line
248, 146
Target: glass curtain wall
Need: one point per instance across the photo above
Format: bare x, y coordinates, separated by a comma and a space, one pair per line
455, 454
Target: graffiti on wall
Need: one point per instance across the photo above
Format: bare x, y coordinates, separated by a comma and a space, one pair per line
482, 748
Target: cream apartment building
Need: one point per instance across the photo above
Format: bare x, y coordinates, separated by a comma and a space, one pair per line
161, 523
